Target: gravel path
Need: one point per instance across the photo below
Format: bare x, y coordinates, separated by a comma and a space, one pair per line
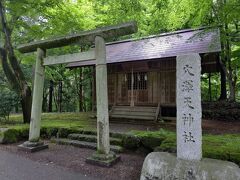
15, 167
73, 159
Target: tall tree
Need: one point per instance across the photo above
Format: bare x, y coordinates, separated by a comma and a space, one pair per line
12, 68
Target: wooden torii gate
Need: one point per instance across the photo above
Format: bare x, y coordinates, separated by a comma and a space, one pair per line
96, 36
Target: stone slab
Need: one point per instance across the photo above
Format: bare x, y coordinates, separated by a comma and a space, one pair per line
189, 111
93, 138
166, 166
32, 149
84, 144
104, 162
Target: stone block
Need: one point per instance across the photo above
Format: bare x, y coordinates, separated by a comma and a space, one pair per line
32, 146
105, 160
165, 166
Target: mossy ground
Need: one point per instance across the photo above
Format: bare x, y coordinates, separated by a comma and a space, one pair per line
81, 120
52, 124
224, 147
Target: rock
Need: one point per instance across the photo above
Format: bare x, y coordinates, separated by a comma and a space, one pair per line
165, 166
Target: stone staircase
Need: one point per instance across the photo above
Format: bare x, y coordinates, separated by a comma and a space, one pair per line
88, 140
134, 113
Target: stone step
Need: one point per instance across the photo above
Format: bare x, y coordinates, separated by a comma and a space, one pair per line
93, 138
150, 118
133, 121
135, 109
83, 144
171, 119
133, 113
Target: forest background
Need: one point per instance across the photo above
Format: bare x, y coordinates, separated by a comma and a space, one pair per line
66, 90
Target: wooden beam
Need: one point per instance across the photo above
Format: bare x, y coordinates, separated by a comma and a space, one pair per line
85, 37
69, 58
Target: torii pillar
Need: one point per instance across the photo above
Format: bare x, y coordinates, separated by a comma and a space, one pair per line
33, 144
102, 96
103, 156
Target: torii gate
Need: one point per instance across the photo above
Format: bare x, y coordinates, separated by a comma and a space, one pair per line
96, 36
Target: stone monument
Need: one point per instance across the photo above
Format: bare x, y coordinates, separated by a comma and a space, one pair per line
188, 165
189, 112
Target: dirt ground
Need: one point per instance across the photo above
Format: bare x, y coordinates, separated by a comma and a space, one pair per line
221, 127
210, 126
74, 158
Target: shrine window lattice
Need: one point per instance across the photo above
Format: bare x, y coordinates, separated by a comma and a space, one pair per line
139, 80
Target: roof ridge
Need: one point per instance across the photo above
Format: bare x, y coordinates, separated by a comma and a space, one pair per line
162, 34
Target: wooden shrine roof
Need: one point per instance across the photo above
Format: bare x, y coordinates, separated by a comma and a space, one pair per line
161, 46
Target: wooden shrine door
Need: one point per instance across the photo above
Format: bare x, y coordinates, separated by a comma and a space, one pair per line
137, 88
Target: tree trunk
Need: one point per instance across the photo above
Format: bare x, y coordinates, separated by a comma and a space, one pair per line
13, 70
209, 87
26, 103
93, 89
80, 91
60, 96
223, 95
50, 96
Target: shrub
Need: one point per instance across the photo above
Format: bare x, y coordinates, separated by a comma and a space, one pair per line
11, 136
8, 100
131, 141
168, 145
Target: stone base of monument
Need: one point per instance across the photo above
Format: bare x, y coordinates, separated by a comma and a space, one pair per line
103, 159
32, 146
165, 166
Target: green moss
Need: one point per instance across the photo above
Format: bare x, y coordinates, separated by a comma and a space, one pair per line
48, 132
64, 132
11, 136
66, 120
23, 133
34, 140
153, 139
224, 147
169, 144
131, 141
234, 157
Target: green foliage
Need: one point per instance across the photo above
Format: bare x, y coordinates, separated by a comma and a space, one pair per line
8, 101
215, 87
